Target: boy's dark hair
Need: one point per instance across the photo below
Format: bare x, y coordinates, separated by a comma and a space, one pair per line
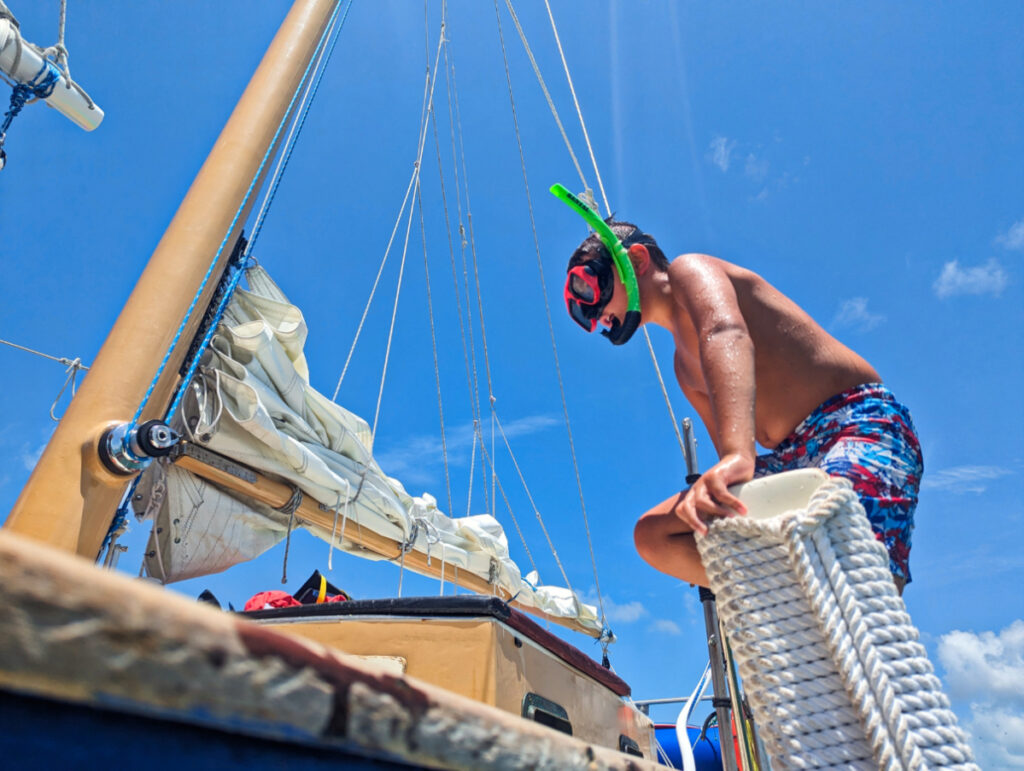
629, 234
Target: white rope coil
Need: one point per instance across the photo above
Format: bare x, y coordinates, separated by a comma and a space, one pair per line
830, 660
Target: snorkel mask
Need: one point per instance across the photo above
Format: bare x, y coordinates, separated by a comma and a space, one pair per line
589, 287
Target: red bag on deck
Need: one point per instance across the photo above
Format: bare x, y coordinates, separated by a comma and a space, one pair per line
272, 599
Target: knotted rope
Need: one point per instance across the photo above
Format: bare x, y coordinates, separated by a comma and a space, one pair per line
830, 660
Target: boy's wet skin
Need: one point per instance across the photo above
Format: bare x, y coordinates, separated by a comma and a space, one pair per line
753, 365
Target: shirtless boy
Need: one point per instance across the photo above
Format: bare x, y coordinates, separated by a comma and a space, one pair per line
758, 370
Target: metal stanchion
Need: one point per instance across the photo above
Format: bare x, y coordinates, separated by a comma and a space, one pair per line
716, 648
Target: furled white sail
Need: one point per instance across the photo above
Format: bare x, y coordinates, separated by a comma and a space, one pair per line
253, 403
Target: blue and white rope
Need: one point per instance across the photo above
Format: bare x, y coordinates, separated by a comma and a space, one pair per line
329, 30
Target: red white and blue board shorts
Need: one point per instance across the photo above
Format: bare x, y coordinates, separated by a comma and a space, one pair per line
864, 435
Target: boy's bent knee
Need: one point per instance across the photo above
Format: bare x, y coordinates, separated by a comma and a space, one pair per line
652, 530
645, 538
665, 543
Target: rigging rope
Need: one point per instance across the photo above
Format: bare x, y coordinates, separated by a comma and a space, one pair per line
608, 209
309, 94
428, 106
515, 520
536, 511
451, 256
433, 347
576, 102
73, 368
459, 155
328, 30
376, 282
483, 331
428, 94
451, 249
62, 360
547, 306
391, 328
544, 88
58, 48
312, 80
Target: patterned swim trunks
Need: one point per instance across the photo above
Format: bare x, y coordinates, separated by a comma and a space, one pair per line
866, 436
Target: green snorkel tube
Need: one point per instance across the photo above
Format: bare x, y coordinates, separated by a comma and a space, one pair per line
619, 333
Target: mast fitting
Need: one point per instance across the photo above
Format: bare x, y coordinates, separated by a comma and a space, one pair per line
126, 451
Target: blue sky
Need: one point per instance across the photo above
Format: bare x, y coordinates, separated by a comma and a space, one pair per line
866, 159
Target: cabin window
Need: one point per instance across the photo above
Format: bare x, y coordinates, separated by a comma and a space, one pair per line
546, 712
629, 746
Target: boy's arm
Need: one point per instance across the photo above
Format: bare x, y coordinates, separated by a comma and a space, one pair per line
699, 401
726, 350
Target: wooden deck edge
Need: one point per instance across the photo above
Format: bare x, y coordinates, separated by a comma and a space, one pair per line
75, 632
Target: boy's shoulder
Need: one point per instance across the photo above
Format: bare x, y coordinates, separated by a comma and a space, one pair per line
696, 258
692, 264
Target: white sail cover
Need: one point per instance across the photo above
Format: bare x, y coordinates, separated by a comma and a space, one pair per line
253, 403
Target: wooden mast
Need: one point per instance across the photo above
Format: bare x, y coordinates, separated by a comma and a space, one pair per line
70, 499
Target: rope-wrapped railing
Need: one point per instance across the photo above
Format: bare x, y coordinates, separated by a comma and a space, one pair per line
830, 661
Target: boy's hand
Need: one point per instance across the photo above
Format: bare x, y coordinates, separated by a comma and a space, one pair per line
709, 495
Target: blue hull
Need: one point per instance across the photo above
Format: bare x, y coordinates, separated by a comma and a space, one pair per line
43, 734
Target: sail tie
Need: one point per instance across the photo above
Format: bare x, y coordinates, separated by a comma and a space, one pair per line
290, 507
431, 534
334, 529
404, 548
344, 519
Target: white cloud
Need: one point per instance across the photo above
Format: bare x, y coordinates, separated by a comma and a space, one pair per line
759, 164
1014, 237
755, 168
416, 458
720, 152
963, 479
989, 278
987, 666
854, 314
987, 669
997, 737
30, 457
623, 614
664, 626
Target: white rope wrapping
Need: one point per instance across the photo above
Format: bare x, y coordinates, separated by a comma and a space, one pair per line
830, 660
